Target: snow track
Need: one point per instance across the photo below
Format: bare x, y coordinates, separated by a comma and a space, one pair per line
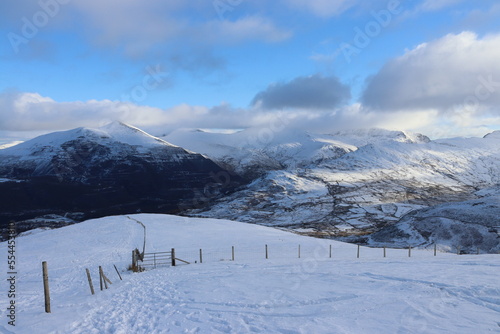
343, 297
313, 294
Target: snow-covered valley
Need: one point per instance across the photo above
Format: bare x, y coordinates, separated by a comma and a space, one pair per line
350, 184
423, 293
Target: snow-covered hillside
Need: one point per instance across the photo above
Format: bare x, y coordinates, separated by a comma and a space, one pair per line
348, 183
283, 294
465, 226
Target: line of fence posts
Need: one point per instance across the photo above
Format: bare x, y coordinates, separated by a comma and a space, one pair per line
299, 254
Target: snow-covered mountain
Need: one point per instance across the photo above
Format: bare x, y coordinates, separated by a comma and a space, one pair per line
348, 184
345, 185
255, 151
68, 155
113, 169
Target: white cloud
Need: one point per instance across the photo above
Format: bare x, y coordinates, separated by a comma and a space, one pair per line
447, 87
454, 72
247, 28
139, 27
33, 112
322, 8
434, 5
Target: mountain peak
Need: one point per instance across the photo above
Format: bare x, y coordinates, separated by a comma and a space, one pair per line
115, 132
131, 135
494, 135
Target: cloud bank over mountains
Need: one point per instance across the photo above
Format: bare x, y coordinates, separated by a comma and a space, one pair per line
437, 87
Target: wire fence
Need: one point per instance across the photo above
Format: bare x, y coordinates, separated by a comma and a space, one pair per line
285, 252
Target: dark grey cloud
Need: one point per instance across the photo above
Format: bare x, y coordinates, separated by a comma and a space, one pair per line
312, 92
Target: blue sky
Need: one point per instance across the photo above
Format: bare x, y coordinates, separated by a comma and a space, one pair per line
429, 66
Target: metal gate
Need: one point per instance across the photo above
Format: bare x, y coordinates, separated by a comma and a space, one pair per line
154, 260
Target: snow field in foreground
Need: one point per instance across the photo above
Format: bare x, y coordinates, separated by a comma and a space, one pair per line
284, 294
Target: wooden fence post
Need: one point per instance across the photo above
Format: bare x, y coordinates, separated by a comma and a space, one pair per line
435, 249
173, 257
358, 251
103, 278
201, 256
90, 281
330, 251
384, 252
106, 280
118, 272
299, 251
101, 284
134, 262
409, 251
232, 253
46, 286
267, 254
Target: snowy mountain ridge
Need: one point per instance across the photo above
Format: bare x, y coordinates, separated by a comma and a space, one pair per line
253, 151
348, 184
115, 132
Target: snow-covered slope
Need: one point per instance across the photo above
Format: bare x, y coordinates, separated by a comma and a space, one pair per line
283, 294
466, 226
345, 183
